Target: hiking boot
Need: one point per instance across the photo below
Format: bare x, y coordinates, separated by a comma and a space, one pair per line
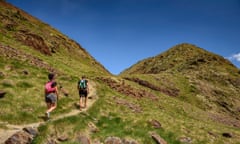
47, 114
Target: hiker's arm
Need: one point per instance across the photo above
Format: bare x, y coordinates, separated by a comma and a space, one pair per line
88, 88
57, 93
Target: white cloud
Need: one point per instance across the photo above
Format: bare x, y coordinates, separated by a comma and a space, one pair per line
236, 57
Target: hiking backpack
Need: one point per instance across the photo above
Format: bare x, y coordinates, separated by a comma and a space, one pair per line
82, 84
49, 88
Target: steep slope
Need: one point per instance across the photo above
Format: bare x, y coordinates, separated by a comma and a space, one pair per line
191, 74
29, 50
26, 34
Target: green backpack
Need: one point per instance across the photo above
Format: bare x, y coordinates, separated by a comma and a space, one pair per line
82, 84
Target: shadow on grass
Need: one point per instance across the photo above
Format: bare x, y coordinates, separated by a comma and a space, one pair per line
76, 105
44, 118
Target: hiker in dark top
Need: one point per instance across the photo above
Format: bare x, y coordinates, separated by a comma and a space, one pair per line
83, 92
51, 94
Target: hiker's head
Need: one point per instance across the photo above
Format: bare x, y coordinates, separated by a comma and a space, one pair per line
51, 76
83, 77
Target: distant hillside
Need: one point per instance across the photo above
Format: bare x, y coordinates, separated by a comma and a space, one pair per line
191, 74
182, 58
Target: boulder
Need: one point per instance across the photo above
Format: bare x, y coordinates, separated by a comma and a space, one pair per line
2, 93
20, 137
158, 139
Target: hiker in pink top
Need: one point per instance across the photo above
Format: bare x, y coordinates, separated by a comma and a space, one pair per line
51, 94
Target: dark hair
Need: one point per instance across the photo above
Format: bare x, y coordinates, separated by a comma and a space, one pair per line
50, 76
54, 84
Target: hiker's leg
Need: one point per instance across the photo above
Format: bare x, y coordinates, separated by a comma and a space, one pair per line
80, 101
53, 106
85, 101
85, 98
48, 108
80, 98
53, 103
48, 105
48, 111
48, 102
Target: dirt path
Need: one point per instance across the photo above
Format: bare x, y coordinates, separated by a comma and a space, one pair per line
11, 129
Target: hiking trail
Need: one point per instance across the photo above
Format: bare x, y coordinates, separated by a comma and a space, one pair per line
10, 129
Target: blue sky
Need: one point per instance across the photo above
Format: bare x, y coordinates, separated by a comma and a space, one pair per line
119, 33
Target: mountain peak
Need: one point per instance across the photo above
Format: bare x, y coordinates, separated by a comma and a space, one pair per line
182, 57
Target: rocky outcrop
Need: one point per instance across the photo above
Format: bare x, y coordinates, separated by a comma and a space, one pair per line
24, 136
125, 89
158, 139
12, 53
170, 91
34, 41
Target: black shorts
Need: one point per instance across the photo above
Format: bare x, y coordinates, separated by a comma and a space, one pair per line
83, 93
51, 98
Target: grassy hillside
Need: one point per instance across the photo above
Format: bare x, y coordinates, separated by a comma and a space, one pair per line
31, 36
185, 95
29, 50
192, 74
195, 76
131, 111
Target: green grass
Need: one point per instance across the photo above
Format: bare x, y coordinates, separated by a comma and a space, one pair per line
184, 116
24, 101
109, 123
179, 117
